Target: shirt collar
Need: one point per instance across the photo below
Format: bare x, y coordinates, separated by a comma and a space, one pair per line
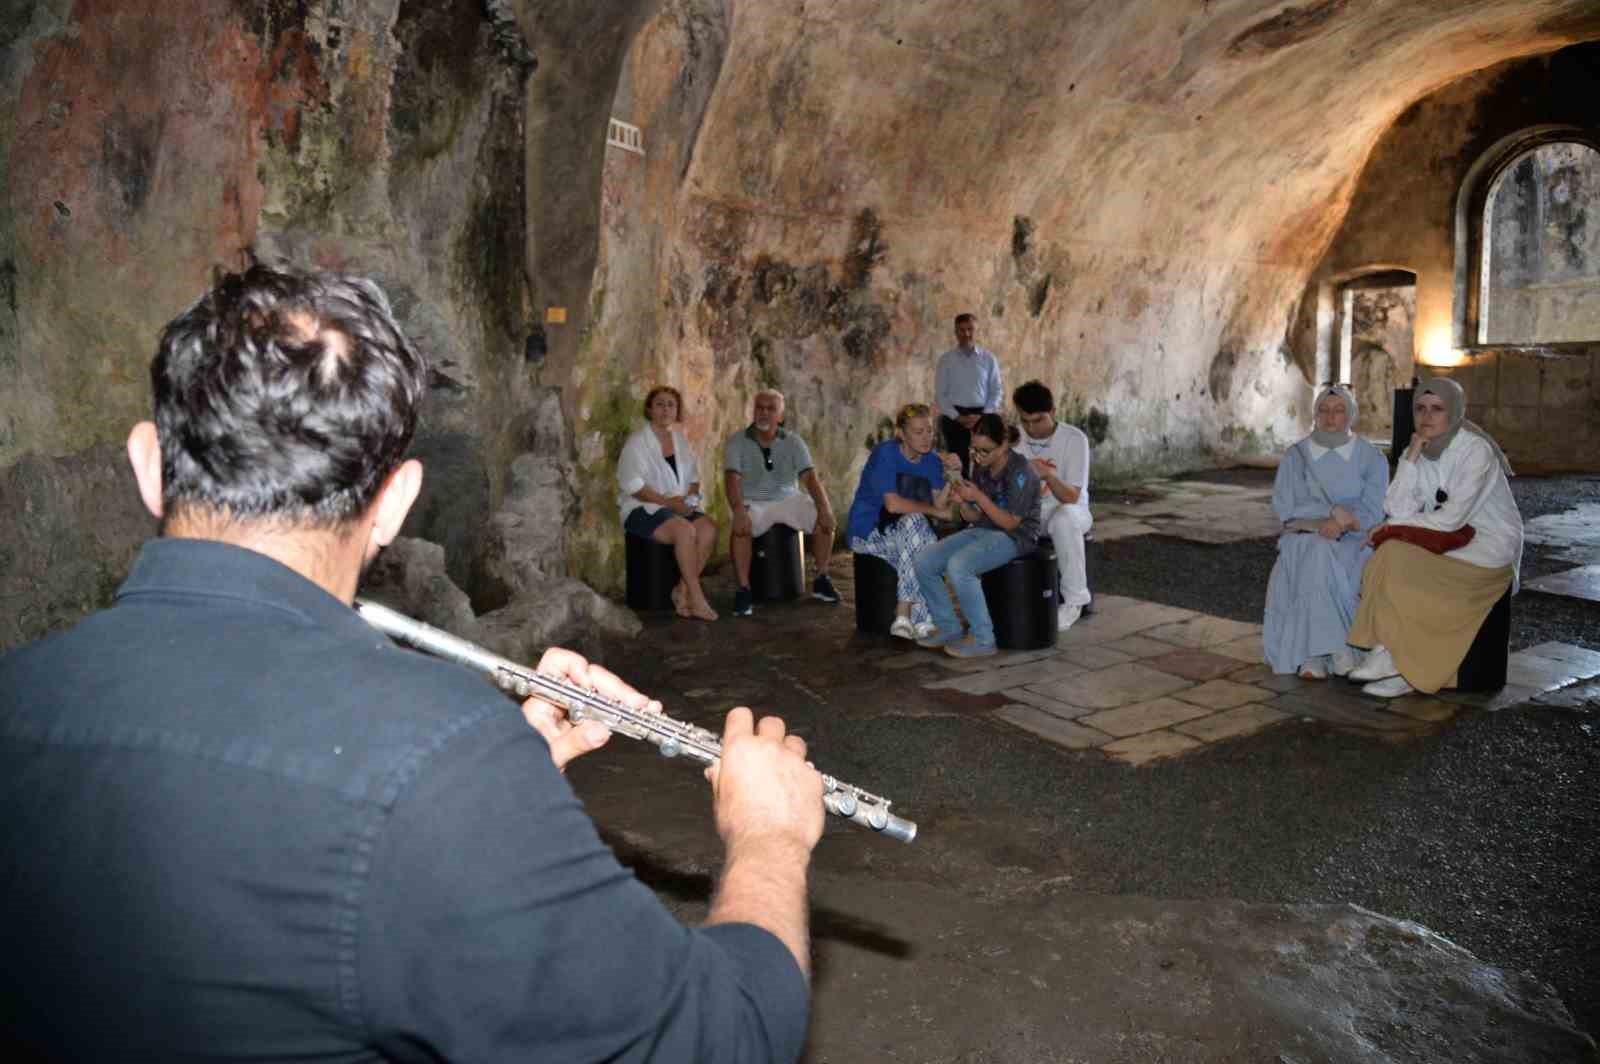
750, 431
206, 568
1343, 450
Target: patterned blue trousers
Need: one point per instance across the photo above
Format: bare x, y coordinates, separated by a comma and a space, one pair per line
897, 546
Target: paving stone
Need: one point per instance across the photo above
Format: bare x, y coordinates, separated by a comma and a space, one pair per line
1576, 696
1509, 695
1138, 646
981, 683
1119, 685
1231, 723
1047, 726
908, 660
1257, 674
1588, 661
1203, 631
1366, 713
1143, 717
1525, 670
1111, 621
1196, 665
1151, 746
1424, 707
1094, 657
1225, 694
1273, 681
1054, 706
1580, 583
1248, 649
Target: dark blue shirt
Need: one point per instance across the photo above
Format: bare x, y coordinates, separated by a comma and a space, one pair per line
1016, 491
238, 823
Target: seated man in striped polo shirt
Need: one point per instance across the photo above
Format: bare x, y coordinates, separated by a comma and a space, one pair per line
764, 468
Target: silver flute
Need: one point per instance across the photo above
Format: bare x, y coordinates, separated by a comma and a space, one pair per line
674, 738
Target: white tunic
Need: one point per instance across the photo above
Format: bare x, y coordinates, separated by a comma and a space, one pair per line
642, 464
1477, 494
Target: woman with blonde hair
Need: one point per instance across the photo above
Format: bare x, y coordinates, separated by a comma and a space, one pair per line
902, 486
660, 497
1450, 549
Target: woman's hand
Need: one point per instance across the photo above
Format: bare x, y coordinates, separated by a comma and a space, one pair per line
1373, 531
951, 462
1330, 528
967, 491
678, 505
1414, 451
1346, 519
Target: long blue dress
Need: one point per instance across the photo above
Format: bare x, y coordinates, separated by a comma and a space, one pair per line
1311, 595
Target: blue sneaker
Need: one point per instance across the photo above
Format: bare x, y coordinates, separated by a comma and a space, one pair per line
971, 648
744, 604
822, 588
936, 639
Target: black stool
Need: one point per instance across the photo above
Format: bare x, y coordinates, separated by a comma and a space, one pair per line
877, 594
652, 573
777, 564
1021, 596
1484, 667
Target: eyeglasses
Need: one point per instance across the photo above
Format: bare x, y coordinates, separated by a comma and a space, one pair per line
982, 452
766, 456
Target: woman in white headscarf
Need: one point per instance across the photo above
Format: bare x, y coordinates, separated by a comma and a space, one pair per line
1450, 549
1328, 493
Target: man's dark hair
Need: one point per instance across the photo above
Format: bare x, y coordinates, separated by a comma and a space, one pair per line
965, 317
1033, 398
284, 394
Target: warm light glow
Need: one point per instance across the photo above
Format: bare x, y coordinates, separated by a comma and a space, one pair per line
1437, 349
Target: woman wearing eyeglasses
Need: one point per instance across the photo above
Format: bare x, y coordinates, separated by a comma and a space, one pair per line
1450, 549
902, 486
1001, 505
660, 497
1328, 493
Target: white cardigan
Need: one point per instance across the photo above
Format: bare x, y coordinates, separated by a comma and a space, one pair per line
643, 465
1479, 495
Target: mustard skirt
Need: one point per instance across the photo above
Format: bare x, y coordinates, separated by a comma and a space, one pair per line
1426, 609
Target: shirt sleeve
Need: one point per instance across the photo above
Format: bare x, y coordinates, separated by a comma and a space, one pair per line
498, 926
1074, 468
1290, 500
802, 456
1374, 483
1400, 501
1470, 482
630, 465
733, 456
995, 388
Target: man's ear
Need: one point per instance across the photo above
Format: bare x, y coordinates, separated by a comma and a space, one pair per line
394, 502
144, 454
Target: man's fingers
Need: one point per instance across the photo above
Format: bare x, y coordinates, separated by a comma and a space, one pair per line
577, 741
609, 684
771, 728
740, 722
565, 664
795, 744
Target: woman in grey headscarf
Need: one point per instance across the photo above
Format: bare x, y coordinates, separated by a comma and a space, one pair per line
1456, 547
1328, 493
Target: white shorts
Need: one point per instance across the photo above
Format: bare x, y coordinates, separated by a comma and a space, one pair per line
798, 511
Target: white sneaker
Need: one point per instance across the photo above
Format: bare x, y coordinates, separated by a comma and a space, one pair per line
1377, 665
925, 629
1393, 687
902, 628
1067, 616
1314, 669
1341, 661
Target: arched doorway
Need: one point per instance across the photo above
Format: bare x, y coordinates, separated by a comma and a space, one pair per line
1375, 318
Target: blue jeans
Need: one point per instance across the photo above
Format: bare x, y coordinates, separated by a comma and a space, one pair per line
964, 557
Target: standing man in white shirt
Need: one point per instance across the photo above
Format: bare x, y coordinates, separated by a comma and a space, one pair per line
1060, 455
966, 384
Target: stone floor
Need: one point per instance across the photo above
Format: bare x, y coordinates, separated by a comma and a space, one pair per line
1140, 681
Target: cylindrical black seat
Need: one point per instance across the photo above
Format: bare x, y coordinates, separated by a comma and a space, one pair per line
652, 573
777, 564
1021, 596
1484, 667
877, 594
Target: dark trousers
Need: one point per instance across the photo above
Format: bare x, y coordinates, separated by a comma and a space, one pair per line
957, 440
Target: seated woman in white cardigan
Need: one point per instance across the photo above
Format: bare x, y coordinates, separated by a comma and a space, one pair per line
1450, 549
660, 482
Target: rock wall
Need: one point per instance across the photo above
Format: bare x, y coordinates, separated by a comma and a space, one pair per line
1404, 214
1130, 198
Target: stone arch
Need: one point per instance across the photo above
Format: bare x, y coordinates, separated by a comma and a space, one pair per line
1471, 203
